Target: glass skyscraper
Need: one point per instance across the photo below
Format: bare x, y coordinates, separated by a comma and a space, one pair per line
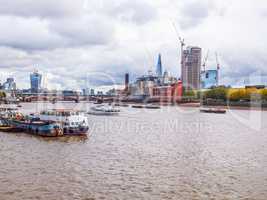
36, 80
9, 84
209, 79
159, 67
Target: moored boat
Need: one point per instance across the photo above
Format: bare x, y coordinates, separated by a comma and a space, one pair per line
121, 105
73, 122
41, 128
34, 126
152, 107
213, 110
103, 110
137, 106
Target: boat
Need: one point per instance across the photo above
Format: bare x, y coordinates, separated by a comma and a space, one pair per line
8, 129
103, 110
137, 106
152, 107
73, 122
121, 105
35, 126
5, 127
213, 110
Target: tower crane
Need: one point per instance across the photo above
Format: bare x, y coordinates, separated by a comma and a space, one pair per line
182, 43
205, 61
218, 67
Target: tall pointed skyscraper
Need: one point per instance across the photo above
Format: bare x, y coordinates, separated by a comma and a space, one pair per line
159, 66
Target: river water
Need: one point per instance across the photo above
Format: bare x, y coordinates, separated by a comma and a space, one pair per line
171, 153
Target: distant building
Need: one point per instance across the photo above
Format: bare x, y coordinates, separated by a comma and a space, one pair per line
67, 93
126, 82
255, 86
36, 80
209, 79
92, 92
172, 92
100, 93
191, 67
86, 92
159, 67
9, 85
143, 85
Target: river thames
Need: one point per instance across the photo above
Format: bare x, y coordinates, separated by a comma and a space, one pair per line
171, 153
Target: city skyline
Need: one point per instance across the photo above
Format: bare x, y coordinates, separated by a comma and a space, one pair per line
70, 40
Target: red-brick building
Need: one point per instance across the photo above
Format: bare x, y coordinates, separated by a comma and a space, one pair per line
168, 93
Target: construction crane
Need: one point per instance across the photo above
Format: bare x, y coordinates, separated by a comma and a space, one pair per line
218, 68
182, 42
205, 61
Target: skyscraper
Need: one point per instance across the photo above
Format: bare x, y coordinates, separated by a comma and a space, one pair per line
159, 67
126, 81
36, 80
9, 84
209, 78
191, 67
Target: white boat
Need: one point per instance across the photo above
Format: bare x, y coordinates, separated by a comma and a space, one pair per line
103, 110
73, 122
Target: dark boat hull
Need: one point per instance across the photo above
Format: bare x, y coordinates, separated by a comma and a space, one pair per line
213, 111
45, 129
9, 129
73, 131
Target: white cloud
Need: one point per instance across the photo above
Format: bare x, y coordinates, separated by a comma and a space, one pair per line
69, 39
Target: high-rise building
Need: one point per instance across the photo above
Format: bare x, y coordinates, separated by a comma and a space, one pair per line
159, 67
209, 79
191, 67
126, 81
36, 80
92, 92
9, 84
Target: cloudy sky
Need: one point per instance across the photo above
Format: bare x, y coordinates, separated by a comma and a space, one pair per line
85, 43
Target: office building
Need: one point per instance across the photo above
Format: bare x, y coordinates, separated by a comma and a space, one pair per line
9, 84
36, 80
126, 82
191, 67
159, 67
209, 79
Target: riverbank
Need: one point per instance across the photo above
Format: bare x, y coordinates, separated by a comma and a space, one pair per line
196, 105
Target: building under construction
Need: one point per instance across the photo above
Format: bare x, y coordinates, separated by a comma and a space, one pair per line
191, 68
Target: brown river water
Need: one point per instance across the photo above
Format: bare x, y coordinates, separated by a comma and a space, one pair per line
171, 153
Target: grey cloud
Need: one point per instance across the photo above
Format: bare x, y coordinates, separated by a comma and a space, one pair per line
42, 8
139, 12
67, 43
193, 13
40, 34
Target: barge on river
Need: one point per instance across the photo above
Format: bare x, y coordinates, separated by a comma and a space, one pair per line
16, 122
73, 122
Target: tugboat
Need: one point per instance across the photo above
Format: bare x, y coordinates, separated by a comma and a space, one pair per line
73, 122
103, 110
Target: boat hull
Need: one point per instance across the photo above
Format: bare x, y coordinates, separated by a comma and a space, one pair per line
213, 111
100, 113
45, 129
73, 131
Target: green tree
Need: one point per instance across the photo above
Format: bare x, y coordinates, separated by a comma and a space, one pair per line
263, 94
216, 93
